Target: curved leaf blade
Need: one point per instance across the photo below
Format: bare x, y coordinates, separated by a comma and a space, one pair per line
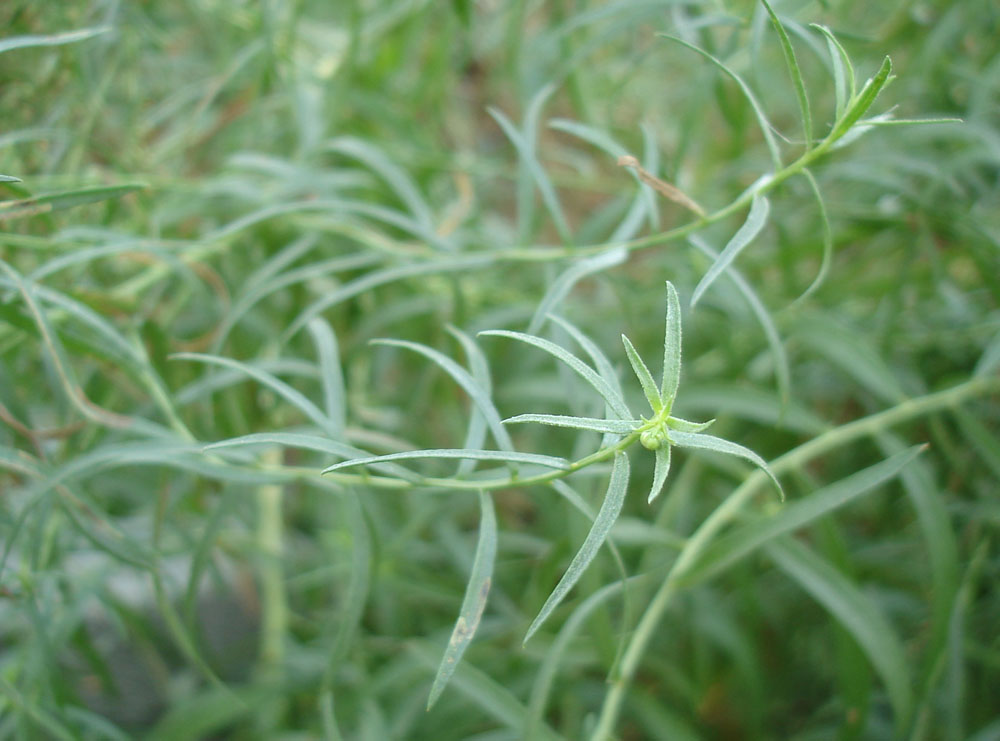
474, 603
606, 517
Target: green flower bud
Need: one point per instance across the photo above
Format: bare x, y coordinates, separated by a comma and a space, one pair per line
653, 438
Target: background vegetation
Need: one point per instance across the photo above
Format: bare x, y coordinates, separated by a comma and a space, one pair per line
211, 208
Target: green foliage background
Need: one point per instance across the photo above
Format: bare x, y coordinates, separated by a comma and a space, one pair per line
212, 207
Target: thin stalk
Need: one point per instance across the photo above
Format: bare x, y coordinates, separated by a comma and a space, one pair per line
274, 607
723, 514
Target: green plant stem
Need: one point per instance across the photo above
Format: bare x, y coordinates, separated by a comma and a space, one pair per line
274, 608
723, 514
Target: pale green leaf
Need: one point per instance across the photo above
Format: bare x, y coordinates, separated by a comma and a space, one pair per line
756, 219
584, 371
660, 471
610, 509
476, 591
671, 349
644, 376
502, 456
614, 426
718, 445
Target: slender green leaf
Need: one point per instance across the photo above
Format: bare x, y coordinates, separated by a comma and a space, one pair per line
765, 125
827, 237
671, 349
604, 367
843, 71
660, 471
380, 277
745, 539
717, 444
480, 396
610, 509
9, 179
524, 142
584, 371
331, 376
796, 74
504, 456
476, 591
564, 283
644, 376
756, 219
485, 693
856, 612
282, 389
614, 426
394, 175
66, 199
863, 100
782, 371
55, 39
308, 442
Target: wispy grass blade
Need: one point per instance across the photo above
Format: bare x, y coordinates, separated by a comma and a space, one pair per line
331, 376
765, 125
500, 456
710, 442
564, 283
755, 222
480, 396
661, 469
474, 603
735, 546
282, 389
857, 613
645, 377
792, 62
843, 71
584, 371
67, 199
524, 142
782, 370
55, 39
606, 517
671, 348
615, 426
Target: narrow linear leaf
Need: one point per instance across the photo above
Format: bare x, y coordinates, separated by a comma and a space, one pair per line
476, 592
331, 376
782, 371
856, 612
660, 471
610, 509
717, 444
644, 376
309, 442
676, 423
395, 176
56, 39
614, 426
9, 179
480, 396
604, 367
503, 456
475, 436
735, 546
487, 694
584, 371
66, 199
765, 125
564, 283
843, 71
863, 100
671, 348
756, 219
380, 277
282, 389
524, 143
827, 237
796, 74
